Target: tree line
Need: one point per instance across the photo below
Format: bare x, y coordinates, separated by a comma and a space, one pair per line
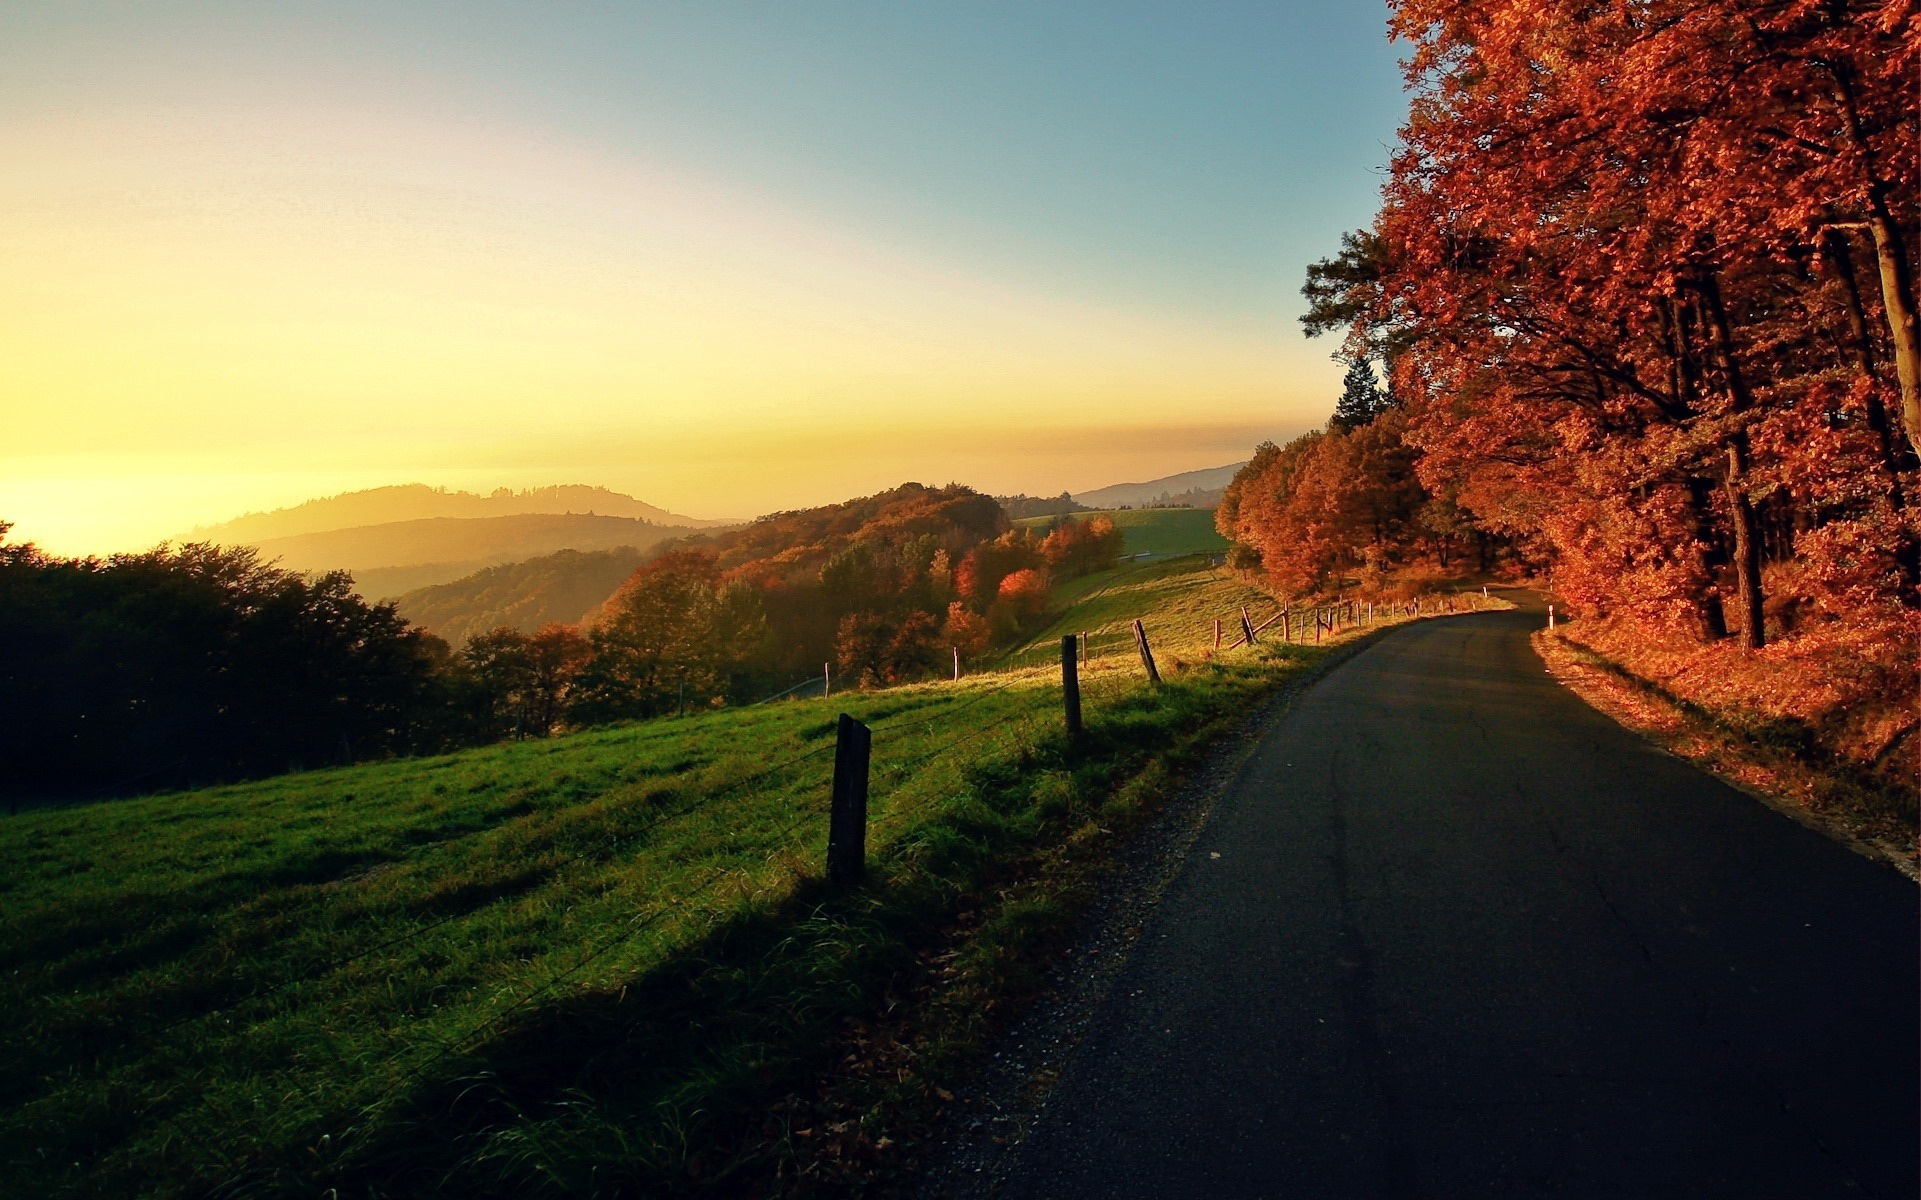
1642, 288
198, 664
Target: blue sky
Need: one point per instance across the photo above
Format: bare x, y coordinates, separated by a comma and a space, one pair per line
1100, 176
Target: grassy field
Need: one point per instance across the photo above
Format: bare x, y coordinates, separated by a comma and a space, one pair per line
1158, 531
587, 965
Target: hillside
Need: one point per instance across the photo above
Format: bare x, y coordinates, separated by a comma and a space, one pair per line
1194, 489
1157, 532
795, 544
418, 502
499, 972
561, 587
400, 556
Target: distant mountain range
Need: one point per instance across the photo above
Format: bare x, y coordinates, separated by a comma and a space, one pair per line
396, 539
1189, 489
417, 501
387, 560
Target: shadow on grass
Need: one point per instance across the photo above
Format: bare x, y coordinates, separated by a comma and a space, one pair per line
671, 1084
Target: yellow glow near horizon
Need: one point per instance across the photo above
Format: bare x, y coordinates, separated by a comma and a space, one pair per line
206, 314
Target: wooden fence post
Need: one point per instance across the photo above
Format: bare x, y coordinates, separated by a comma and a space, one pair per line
1217, 633
1071, 684
826, 679
1550, 616
1147, 653
957, 664
1247, 625
847, 820
1287, 634
1083, 647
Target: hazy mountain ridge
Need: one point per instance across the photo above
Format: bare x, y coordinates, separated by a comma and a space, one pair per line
401, 555
417, 501
1188, 488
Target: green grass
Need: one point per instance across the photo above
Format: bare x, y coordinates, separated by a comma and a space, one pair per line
1157, 531
587, 964
1177, 602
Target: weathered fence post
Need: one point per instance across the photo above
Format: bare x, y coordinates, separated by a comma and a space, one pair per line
847, 821
826, 679
1247, 625
1550, 616
1147, 653
1071, 684
1217, 633
1287, 634
957, 664
1083, 647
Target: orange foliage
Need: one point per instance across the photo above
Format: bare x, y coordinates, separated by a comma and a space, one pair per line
1625, 275
1074, 547
1020, 599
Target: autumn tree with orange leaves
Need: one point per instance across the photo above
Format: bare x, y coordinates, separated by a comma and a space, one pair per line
1643, 279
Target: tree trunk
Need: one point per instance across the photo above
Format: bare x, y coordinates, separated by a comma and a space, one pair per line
1897, 286
1907, 552
1747, 544
1710, 615
1897, 299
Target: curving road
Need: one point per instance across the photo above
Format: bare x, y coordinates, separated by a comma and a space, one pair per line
1452, 933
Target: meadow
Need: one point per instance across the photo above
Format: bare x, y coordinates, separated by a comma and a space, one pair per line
1158, 532
579, 965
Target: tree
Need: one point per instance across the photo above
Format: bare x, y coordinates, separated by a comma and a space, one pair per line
1330, 503
199, 664
1361, 397
658, 641
1019, 600
1073, 547
1614, 265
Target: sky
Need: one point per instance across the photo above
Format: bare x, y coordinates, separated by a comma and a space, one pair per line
726, 257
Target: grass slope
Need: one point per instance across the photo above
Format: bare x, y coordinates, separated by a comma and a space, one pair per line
589, 965
1158, 532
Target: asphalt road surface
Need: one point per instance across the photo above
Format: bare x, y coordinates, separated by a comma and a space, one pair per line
1452, 933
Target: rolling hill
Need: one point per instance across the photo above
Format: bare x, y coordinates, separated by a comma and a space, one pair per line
562, 587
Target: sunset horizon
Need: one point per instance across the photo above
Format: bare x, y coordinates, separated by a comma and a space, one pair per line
726, 264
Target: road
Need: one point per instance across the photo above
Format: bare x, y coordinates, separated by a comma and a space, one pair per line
1452, 933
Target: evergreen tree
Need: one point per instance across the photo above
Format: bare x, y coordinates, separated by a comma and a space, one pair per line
1361, 400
